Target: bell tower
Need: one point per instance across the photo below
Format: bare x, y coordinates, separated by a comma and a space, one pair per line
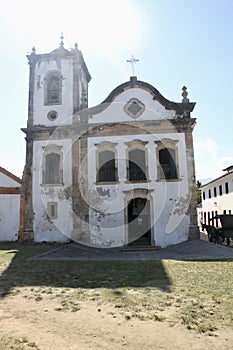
58, 86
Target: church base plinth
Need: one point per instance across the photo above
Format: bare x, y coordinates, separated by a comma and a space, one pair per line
194, 232
28, 236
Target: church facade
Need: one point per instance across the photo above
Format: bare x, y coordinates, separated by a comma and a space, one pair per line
118, 174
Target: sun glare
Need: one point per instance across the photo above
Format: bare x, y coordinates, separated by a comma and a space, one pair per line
103, 25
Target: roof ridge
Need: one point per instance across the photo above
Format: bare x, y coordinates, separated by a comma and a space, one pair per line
9, 174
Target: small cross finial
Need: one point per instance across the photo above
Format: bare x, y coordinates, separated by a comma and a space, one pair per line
132, 61
76, 46
62, 37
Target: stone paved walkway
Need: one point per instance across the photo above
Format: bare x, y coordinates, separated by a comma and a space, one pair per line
190, 250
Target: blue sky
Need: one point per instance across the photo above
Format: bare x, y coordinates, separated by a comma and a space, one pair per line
178, 43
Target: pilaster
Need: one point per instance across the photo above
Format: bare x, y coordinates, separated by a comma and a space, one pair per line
193, 227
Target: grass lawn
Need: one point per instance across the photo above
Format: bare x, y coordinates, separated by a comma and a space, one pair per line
198, 294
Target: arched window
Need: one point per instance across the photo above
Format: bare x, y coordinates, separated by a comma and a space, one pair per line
53, 88
52, 173
106, 162
137, 165
167, 161
136, 155
106, 166
52, 168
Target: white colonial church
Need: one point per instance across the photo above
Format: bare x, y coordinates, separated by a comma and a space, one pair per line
117, 174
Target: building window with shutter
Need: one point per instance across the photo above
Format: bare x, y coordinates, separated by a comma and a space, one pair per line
52, 210
53, 88
137, 165
106, 163
52, 165
167, 160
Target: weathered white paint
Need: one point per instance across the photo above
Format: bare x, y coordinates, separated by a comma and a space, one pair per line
6, 181
169, 200
9, 216
115, 111
58, 229
65, 110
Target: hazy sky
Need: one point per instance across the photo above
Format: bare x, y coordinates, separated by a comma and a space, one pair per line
178, 42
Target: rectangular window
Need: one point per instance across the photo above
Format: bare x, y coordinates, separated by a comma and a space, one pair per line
137, 165
230, 212
226, 188
106, 166
203, 195
215, 192
224, 212
220, 190
209, 193
168, 164
52, 210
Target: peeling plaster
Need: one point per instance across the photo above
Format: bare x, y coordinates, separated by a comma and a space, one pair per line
103, 192
181, 205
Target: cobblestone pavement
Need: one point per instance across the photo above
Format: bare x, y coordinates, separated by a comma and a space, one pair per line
197, 249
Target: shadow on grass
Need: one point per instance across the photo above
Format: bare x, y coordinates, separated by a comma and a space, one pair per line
18, 271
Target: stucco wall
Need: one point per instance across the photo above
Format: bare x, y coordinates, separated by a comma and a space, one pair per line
6, 181
221, 202
9, 216
64, 110
58, 229
169, 200
115, 111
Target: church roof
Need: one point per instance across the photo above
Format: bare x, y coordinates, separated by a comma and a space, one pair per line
10, 175
181, 108
60, 52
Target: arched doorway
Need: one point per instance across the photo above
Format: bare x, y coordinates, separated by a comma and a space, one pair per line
139, 230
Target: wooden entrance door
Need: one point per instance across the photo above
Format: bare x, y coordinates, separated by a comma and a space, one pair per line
139, 232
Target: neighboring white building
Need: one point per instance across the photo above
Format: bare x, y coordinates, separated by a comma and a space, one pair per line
110, 175
217, 197
10, 194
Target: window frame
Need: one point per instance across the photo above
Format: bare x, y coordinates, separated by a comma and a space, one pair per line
133, 146
209, 193
167, 144
49, 210
48, 77
52, 149
102, 147
220, 190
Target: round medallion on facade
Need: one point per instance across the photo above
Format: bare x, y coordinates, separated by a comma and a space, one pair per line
134, 108
52, 115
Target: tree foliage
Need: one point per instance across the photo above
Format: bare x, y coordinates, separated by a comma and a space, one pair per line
198, 192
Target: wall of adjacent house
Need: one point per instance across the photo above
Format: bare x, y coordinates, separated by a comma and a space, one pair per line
6, 181
218, 203
169, 201
57, 229
9, 216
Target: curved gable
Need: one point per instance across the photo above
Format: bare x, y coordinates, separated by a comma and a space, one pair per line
134, 83
137, 100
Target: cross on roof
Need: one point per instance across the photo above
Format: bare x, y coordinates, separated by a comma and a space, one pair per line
132, 61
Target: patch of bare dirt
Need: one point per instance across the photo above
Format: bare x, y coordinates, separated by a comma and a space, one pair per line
95, 325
